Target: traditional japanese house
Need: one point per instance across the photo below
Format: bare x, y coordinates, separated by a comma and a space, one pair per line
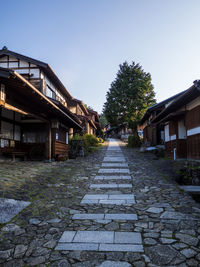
89, 121
34, 117
181, 120
94, 116
153, 134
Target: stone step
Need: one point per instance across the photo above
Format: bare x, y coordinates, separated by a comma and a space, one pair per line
100, 241
114, 159
114, 171
114, 165
193, 189
102, 216
108, 199
98, 186
108, 177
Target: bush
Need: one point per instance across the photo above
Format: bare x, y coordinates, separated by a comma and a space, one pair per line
90, 140
134, 141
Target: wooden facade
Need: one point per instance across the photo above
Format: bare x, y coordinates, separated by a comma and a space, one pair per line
181, 120
89, 119
34, 117
153, 134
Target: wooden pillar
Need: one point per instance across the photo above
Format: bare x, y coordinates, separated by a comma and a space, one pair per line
71, 132
48, 142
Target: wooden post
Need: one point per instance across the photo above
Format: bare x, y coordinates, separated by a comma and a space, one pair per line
48, 142
71, 132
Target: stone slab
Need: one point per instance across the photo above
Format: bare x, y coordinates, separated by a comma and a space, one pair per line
94, 237
112, 202
114, 171
96, 196
104, 217
88, 216
194, 189
98, 186
10, 208
114, 159
89, 201
121, 247
108, 177
67, 236
121, 196
122, 216
77, 246
114, 165
127, 238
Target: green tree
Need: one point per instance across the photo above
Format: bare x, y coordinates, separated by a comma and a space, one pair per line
129, 96
103, 120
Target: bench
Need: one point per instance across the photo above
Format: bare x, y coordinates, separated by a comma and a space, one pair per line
15, 154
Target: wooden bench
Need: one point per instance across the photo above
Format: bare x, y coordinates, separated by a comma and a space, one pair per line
15, 154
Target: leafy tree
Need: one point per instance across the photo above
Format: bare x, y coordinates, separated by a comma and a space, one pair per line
129, 96
103, 120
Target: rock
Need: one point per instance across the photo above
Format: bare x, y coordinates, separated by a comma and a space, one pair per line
53, 230
115, 264
188, 252
150, 241
75, 255
179, 246
192, 263
167, 240
190, 240
114, 255
5, 254
61, 263
155, 210
55, 255
20, 251
132, 257
161, 254
72, 212
19, 231
146, 259
14, 263
152, 235
34, 221
40, 251
112, 226
34, 261
173, 215
139, 264
10, 228
50, 244
56, 220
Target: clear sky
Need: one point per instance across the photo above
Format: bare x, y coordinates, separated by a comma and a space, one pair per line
84, 41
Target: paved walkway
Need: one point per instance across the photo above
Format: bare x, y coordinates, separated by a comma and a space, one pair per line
106, 240
112, 208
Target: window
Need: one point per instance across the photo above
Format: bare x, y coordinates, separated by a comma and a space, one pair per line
3, 95
67, 138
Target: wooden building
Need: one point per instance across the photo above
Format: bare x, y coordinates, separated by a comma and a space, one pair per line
34, 117
181, 120
153, 134
89, 119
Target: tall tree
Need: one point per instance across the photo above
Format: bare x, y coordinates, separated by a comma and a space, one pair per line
129, 96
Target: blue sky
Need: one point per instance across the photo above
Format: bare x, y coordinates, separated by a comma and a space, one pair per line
84, 41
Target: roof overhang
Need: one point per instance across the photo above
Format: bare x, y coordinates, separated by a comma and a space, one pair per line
31, 100
179, 102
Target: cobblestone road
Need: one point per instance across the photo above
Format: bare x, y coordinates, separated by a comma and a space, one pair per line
113, 208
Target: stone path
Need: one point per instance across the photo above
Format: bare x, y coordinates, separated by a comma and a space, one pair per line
139, 218
106, 240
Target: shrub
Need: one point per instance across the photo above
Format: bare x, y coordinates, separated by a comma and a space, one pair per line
90, 140
134, 141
